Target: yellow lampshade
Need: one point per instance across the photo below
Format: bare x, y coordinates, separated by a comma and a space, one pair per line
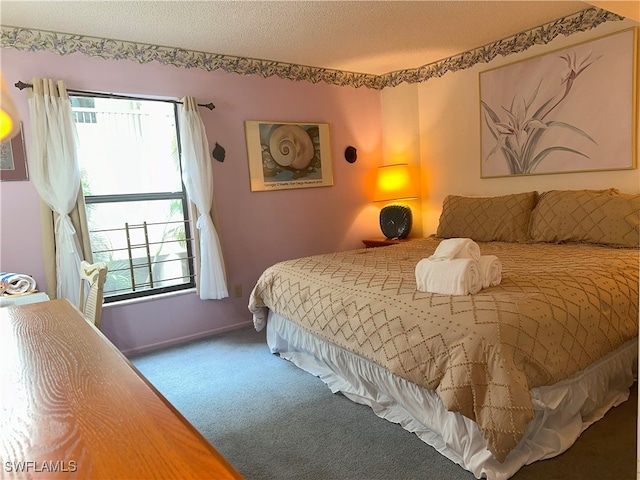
9, 119
394, 183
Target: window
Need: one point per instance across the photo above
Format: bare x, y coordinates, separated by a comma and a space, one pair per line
136, 204
83, 109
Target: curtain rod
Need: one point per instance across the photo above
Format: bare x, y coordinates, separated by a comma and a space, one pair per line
80, 93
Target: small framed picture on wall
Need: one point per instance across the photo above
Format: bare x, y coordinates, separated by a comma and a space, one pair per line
13, 158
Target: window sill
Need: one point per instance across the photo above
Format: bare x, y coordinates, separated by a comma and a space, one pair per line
150, 298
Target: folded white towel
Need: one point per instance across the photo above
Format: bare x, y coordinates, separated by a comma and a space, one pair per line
490, 270
456, 248
460, 276
16, 283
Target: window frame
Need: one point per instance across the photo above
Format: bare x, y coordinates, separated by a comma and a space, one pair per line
148, 196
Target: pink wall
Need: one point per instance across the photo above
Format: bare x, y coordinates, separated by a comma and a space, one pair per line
257, 229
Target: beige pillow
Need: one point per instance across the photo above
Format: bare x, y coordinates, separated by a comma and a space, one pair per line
592, 216
485, 219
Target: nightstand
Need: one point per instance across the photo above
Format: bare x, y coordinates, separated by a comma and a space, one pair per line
383, 242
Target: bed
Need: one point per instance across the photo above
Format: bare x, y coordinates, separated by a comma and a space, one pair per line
495, 380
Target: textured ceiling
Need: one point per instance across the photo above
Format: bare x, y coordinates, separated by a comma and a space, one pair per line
357, 36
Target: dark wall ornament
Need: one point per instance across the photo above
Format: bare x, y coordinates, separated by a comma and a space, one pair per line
350, 154
218, 152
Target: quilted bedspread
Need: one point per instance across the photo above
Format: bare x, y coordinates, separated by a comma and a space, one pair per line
558, 309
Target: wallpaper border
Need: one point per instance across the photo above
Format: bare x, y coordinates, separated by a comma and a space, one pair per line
65, 44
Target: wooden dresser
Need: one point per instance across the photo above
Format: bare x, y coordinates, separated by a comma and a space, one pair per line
72, 406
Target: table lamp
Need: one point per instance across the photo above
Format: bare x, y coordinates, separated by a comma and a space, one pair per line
9, 119
394, 184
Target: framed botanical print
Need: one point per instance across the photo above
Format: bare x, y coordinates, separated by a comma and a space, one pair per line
571, 110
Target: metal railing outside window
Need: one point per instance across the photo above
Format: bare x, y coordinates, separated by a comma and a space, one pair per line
135, 269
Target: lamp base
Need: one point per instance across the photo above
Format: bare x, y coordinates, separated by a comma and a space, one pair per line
396, 221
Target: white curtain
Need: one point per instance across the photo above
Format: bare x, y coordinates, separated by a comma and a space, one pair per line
198, 180
54, 170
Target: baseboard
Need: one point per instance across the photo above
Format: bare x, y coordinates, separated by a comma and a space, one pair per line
186, 338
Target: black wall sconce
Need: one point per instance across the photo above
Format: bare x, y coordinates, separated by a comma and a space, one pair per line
350, 154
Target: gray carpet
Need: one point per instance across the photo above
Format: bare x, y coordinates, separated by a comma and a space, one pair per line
272, 420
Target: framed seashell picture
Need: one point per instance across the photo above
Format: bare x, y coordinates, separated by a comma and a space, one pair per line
284, 155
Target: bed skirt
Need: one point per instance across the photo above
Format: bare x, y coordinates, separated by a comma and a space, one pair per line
562, 411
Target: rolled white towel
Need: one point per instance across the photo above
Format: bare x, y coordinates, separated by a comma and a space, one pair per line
456, 248
490, 270
16, 283
460, 276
